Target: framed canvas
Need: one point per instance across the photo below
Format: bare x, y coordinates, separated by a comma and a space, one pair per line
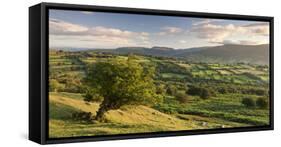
103, 73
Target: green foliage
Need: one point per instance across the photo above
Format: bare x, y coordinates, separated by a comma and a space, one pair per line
262, 103
55, 86
88, 97
227, 107
227, 84
204, 93
170, 67
171, 90
224, 89
248, 102
168, 109
82, 116
72, 83
259, 91
122, 83
92, 96
67, 82
182, 97
193, 90
160, 89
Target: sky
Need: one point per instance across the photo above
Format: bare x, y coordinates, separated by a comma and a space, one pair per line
85, 29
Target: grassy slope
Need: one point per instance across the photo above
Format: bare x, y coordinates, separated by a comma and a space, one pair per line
130, 119
143, 119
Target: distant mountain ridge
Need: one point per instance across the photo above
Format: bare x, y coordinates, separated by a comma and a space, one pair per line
230, 53
255, 54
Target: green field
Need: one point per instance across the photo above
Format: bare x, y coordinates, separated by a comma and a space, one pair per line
226, 86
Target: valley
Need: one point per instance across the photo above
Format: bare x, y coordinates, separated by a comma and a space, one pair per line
196, 93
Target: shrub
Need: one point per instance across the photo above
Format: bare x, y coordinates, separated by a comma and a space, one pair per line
72, 87
255, 91
262, 103
55, 86
205, 94
248, 102
171, 90
222, 90
88, 97
182, 97
260, 92
71, 82
194, 91
212, 92
168, 110
160, 89
82, 116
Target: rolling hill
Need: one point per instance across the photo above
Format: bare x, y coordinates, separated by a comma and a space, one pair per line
224, 54
255, 54
130, 119
154, 51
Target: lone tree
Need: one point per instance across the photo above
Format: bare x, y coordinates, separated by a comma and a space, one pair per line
122, 83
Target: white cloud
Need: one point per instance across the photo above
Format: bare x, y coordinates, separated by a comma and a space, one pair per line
215, 33
258, 28
170, 31
58, 27
249, 42
88, 41
243, 42
87, 12
230, 42
205, 21
182, 41
67, 34
104, 31
62, 27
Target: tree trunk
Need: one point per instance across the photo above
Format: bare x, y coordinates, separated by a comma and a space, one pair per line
100, 114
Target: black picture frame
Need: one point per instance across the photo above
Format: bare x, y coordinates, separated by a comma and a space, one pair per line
38, 71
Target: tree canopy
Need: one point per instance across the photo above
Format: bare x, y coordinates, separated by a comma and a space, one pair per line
122, 82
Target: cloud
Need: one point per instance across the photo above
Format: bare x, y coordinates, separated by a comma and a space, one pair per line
170, 31
62, 27
204, 21
249, 42
257, 24
64, 33
213, 33
87, 12
105, 31
58, 27
182, 41
88, 41
219, 33
258, 28
230, 42
243, 42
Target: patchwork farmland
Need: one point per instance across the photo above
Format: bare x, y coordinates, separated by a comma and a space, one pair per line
194, 96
